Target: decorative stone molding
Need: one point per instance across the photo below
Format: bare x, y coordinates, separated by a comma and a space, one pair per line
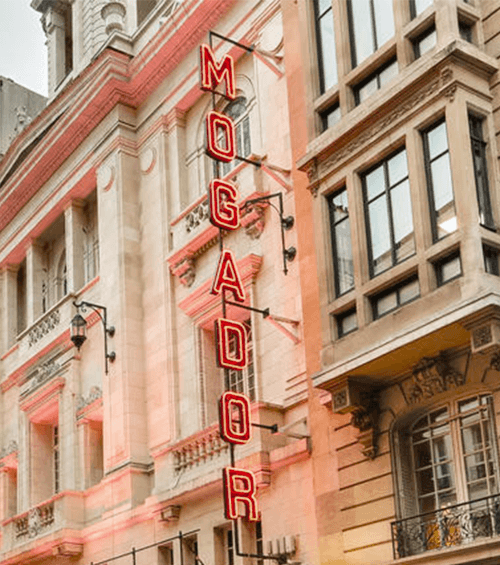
362, 402
171, 513
147, 160
197, 216
68, 549
431, 376
105, 177
113, 13
9, 450
95, 393
185, 270
45, 326
253, 220
198, 449
34, 522
42, 373
434, 86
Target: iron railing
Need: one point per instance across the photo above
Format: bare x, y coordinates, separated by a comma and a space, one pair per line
452, 526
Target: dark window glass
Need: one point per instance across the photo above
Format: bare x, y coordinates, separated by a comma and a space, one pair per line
491, 260
418, 6
330, 117
375, 81
371, 25
448, 269
341, 242
347, 322
438, 172
395, 297
388, 213
425, 42
478, 146
326, 44
238, 111
465, 31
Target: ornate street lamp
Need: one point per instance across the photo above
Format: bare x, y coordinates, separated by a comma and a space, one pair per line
79, 327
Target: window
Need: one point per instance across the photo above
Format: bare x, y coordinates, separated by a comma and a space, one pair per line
465, 30
388, 213
491, 264
325, 36
238, 111
440, 188
347, 322
166, 555
451, 452
371, 25
478, 146
243, 381
418, 6
341, 242
448, 269
21, 297
330, 117
395, 297
425, 42
375, 81
45, 458
190, 550
61, 278
90, 241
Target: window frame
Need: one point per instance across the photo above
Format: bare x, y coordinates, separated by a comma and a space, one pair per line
334, 238
319, 46
397, 288
483, 195
439, 264
387, 192
429, 179
376, 74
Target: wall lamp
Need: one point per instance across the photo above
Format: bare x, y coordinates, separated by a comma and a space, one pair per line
79, 328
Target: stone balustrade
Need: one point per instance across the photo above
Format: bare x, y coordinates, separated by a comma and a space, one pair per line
198, 449
35, 521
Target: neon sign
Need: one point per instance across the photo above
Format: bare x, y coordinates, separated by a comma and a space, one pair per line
239, 485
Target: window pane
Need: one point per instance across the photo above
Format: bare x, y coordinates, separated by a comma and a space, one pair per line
425, 482
385, 304
409, 292
426, 43
363, 40
375, 182
347, 322
340, 207
403, 222
422, 454
379, 235
344, 264
331, 117
449, 269
324, 5
442, 187
384, 20
398, 168
328, 58
388, 73
421, 5
367, 90
437, 139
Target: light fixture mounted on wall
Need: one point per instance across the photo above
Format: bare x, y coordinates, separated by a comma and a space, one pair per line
79, 328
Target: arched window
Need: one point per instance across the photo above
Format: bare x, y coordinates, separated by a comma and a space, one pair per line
238, 111
448, 476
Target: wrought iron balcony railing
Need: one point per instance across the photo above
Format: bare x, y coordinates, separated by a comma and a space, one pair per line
452, 526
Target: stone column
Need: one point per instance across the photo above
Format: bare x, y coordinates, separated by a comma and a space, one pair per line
54, 26
176, 128
74, 221
9, 307
34, 279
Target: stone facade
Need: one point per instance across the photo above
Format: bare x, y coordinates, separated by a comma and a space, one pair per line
104, 201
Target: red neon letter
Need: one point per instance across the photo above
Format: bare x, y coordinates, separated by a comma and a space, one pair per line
217, 122
240, 486
234, 431
238, 358
224, 212
213, 73
227, 277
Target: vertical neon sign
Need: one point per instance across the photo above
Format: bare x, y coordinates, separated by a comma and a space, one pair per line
239, 485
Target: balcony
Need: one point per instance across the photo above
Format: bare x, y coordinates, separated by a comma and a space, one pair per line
450, 527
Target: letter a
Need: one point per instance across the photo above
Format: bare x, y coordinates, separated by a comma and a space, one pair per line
227, 277
213, 73
240, 486
224, 212
237, 431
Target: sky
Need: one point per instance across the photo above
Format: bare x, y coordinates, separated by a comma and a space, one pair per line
23, 54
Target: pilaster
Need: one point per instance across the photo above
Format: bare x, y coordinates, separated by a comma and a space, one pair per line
34, 280
74, 220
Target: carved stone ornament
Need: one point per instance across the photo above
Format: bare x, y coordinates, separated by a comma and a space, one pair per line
44, 327
11, 448
42, 373
434, 86
365, 419
431, 376
253, 219
197, 216
34, 522
94, 394
185, 270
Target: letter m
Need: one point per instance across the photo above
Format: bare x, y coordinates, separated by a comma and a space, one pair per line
213, 73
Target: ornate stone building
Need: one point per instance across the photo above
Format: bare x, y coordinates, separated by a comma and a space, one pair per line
394, 120
109, 451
